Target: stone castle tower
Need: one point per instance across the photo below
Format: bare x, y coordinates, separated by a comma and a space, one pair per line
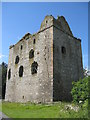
42, 66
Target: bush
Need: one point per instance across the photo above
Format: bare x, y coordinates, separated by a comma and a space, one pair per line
80, 91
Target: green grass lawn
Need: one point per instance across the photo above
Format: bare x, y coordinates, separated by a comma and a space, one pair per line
28, 110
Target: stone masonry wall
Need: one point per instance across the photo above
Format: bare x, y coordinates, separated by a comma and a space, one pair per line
39, 86
67, 65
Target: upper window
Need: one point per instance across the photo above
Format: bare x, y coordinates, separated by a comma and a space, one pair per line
63, 49
9, 74
20, 71
46, 21
34, 41
34, 67
17, 60
31, 53
21, 47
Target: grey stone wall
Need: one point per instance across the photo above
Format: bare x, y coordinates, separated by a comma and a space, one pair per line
37, 87
67, 66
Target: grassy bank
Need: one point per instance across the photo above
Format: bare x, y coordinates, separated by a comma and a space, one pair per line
56, 110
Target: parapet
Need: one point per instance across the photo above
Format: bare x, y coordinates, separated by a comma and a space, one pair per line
11, 46
64, 24
26, 36
47, 22
60, 23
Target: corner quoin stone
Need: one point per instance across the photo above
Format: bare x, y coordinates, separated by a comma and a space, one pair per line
47, 63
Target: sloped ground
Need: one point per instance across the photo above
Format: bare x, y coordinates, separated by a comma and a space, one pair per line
2, 115
54, 110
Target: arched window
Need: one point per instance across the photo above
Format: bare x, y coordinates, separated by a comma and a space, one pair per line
9, 74
31, 54
17, 60
20, 71
63, 49
34, 67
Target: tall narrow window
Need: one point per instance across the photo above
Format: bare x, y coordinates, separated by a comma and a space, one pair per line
63, 49
17, 60
31, 54
46, 21
21, 47
9, 74
21, 71
34, 67
34, 41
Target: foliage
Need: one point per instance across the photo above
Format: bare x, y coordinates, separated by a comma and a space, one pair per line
54, 110
3, 75
80, 91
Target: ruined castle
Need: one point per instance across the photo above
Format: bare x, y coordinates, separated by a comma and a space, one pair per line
42, 66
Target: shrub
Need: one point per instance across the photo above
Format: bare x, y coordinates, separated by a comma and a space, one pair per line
80, 91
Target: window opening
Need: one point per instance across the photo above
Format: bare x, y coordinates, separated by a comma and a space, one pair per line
34, 41
9, 74
21, 71
17, 60
63, 50
21, 47
34, 67
31, 54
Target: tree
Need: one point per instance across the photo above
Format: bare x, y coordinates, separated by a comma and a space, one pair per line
3, 75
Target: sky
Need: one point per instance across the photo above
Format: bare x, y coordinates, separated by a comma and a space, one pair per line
18, 18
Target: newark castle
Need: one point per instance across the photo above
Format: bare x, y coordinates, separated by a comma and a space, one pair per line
42, 66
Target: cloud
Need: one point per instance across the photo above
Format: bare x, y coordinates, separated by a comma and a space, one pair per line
2, 56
